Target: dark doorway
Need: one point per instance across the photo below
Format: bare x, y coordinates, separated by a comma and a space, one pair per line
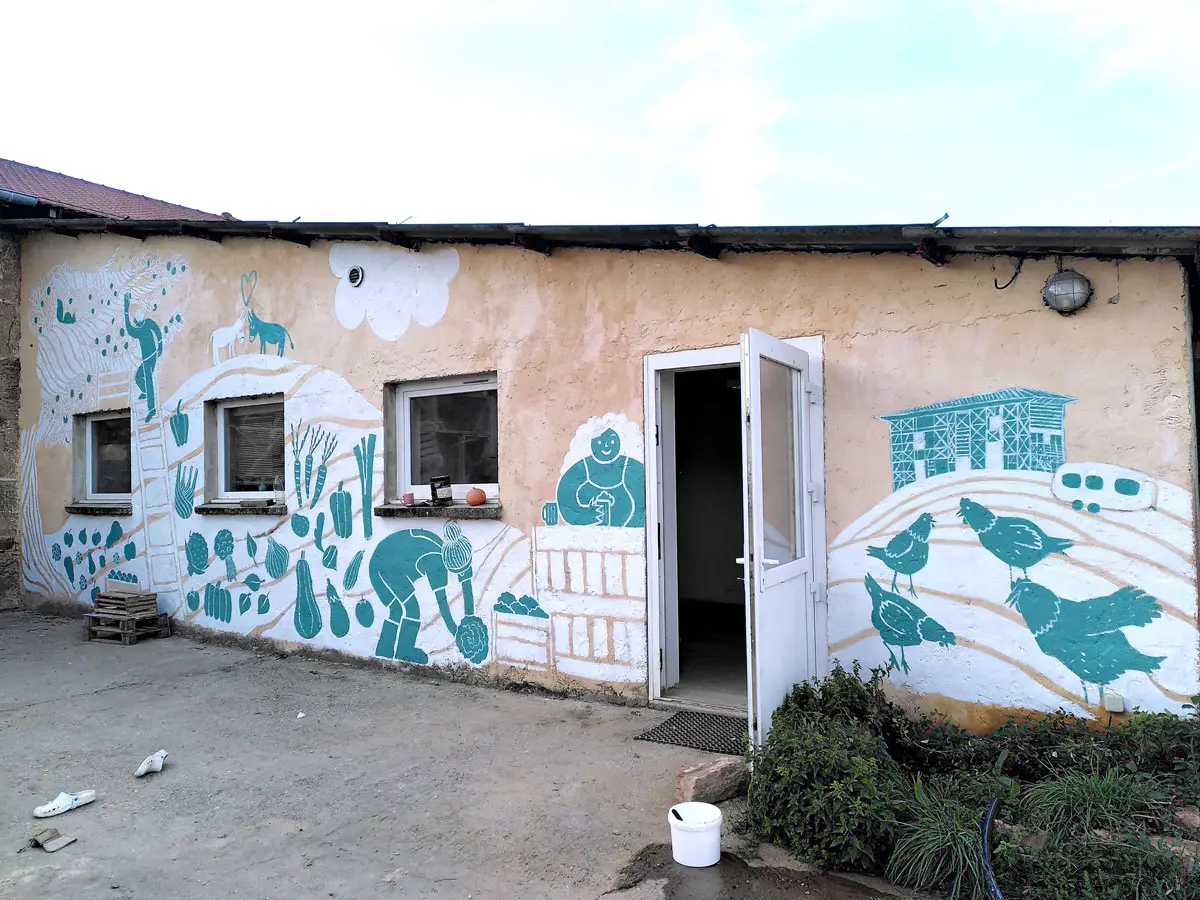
708, 485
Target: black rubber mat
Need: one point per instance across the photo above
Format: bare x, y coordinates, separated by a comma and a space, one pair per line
701, 731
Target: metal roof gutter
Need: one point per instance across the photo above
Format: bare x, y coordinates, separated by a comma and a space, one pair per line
928, 241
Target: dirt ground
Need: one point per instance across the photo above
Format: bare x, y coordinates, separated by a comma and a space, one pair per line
389, 786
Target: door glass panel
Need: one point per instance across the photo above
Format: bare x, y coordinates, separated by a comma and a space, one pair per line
783, 540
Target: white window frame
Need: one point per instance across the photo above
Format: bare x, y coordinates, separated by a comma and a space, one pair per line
88, 459
222, 407
404, 392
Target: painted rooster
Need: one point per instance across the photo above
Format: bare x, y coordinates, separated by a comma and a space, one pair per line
1085, 635
1016, 542
901, 623
907, 552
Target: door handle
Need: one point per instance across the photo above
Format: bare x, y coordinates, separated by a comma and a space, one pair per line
770, 562
741, 560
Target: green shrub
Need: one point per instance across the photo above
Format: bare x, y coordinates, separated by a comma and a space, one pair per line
1086, 868
1163, 745
826, 789
938, 847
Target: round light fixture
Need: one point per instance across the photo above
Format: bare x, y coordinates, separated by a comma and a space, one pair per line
1066, 292
355, 276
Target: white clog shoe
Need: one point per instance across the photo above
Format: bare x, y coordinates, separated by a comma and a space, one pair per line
64, 802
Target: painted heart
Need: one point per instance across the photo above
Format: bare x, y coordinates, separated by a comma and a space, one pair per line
249, 283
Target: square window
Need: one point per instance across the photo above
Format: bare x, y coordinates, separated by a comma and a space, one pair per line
447, 428
919, 440
107, 457
249, 448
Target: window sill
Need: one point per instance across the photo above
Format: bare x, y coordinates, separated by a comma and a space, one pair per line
451, 511
100, 508
241, 508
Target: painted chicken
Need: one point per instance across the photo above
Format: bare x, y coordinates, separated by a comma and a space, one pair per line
907, 552
901, 623
1016, 542
1085, 635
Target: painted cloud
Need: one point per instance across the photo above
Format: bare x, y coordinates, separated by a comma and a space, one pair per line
394, 286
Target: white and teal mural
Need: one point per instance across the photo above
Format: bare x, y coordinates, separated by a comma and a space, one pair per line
1000, 573
330, 573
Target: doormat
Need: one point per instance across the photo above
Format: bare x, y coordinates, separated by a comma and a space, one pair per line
701, 731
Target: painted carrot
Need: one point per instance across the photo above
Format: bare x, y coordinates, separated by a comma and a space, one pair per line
298, 443
308, 467
322, 470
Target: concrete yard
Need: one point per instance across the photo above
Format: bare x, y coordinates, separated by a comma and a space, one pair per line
391, 784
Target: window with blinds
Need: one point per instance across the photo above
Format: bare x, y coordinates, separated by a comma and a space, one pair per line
253, 447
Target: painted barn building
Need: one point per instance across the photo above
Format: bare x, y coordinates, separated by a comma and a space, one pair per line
673, 458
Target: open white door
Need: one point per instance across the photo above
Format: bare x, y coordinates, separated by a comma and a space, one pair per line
781, 632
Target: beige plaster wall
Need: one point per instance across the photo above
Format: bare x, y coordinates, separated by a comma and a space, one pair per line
567, 335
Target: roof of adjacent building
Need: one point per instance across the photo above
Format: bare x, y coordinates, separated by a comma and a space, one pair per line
991, 398
55, 190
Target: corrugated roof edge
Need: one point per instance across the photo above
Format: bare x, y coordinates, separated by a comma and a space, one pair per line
930, 242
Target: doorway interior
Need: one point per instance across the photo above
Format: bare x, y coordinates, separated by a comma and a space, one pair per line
708, 530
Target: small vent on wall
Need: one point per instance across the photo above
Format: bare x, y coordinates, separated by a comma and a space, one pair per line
355, 276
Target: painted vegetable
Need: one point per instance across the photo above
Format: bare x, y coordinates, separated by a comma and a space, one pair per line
185, 490
95, 539
350, 576
69, 567
252, 581
341, 511
179, 424
218, 602
251, 548
339, 619
328, 552
308, 615
243, 604
91, 565
299, 524
277, 558
82, 536
298, 442
364, 612
56, 553
223, 547
327, 448
193, 600
68, 538
114, 535
130, 551
197, 553
472, 639
364, 455
264, 604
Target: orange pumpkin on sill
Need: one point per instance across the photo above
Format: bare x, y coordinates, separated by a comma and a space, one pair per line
476, 497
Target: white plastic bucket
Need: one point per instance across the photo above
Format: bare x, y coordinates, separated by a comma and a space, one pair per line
695, 834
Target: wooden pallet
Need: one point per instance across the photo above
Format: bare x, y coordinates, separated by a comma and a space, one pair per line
117, 604
125, 630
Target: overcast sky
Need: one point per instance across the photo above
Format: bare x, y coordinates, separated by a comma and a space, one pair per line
1000, 112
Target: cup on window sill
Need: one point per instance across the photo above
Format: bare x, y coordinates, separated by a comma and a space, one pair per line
408, 499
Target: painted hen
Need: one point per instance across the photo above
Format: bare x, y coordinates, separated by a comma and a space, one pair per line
1016, 542
901, 623
907, 552
1085, 635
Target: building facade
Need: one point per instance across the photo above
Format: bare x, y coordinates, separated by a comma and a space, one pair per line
277, 399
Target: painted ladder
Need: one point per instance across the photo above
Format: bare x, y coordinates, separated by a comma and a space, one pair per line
158, 511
